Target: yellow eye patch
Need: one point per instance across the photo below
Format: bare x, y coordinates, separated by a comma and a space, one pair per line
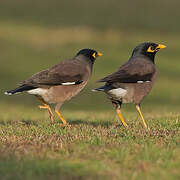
94, 55
150, 49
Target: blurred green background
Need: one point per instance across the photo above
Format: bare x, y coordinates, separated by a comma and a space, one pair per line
35, 35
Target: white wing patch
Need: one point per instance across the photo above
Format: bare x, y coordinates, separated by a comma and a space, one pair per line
117, 93
68, 83
38, 91
142, 82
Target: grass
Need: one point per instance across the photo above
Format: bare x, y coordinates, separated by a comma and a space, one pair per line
94, 145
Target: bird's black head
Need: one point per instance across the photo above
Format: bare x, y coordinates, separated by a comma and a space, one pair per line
148, 49
90, 54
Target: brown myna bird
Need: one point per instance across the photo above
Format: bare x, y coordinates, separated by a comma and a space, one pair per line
61, 82
133, 80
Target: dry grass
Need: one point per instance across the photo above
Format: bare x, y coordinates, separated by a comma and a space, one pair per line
92, 146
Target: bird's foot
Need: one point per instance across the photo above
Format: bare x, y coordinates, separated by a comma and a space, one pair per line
51, 116
121, 118
121, 125
124, 124
46, 106
61, 118
64, 125
43, 107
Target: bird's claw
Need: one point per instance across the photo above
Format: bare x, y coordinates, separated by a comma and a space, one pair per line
43, 107
49, 111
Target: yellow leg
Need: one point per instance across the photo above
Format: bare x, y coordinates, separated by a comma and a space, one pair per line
121, 117
60, 116
140, 113
46, 106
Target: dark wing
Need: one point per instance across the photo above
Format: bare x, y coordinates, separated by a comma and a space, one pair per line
65, 73
132, 72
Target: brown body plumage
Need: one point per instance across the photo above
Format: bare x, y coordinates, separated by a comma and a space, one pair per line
61, 82
133, 80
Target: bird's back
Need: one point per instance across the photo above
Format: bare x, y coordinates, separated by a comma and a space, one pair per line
132, 81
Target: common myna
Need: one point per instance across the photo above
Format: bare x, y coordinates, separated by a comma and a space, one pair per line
133, 80
61, 82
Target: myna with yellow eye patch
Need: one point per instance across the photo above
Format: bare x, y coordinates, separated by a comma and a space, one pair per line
61, 82
133, 80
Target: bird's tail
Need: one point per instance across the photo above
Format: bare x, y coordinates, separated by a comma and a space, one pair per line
19, 89
99, 89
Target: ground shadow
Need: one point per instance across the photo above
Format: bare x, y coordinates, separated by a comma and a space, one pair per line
92, 123
23, 122
29, 122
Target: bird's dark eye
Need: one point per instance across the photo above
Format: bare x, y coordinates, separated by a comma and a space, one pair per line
152, 48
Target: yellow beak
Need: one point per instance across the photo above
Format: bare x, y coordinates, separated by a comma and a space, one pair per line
95, 55
99, 54
161, 46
